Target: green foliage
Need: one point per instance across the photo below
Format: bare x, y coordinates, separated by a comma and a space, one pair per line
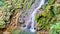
17, 4
4, 17
1, 3
50, 2
55, 28
50, 15
7, 7
47, 18
2, 24
27, 4
5, 13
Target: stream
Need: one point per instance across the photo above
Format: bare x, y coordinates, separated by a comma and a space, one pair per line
31, 20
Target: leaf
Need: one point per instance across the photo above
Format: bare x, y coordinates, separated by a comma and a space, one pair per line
50, 2
1, 3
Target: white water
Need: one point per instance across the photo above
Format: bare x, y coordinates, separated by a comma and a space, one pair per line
32, 16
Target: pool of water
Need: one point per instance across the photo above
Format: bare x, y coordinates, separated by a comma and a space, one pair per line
27, 32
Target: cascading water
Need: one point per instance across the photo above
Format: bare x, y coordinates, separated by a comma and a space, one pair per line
34, 14
32, 17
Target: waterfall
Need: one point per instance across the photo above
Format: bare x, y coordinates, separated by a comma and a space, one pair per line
32, 16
